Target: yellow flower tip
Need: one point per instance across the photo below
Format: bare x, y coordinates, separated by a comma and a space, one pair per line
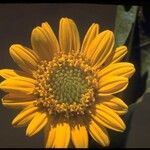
63, 20
13, 48
124, 106
131, 70
123, 127
106, 143
36, 31
124, 83
2, 72
120, 126
66, 20
44, 23
123, 48
119, 53
109, 35
2, 85
97, 26
29, 134
14, 122
109, 32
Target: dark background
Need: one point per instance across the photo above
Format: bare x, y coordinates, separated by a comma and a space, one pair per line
16, 24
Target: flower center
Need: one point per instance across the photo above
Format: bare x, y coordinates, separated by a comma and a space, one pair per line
65, 85
68, 84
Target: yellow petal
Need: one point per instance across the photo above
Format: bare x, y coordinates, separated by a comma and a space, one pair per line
99, 133
25, 121
94, 44
53, 42
123, 69
19, 97
79, 134
115, 56
10, 73
120, 52
68, 35
49, 133
40, 43
62, 135
22, 85
115, 103
108, 118
103, 50
38, 122
44, 42
100, 48
17, 101
24, 57
112, 84
23, 116
89, 37
17, 104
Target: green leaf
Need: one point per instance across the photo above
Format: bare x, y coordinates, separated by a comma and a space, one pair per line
125, 18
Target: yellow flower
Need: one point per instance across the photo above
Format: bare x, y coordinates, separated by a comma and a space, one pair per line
68, 90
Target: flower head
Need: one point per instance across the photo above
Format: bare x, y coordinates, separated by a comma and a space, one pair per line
66, 89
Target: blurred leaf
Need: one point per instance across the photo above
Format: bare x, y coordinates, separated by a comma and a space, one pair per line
145, 48
145, 60
125, 17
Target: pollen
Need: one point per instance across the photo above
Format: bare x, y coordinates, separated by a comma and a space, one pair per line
65, 85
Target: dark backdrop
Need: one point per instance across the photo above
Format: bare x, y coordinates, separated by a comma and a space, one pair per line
16, 24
